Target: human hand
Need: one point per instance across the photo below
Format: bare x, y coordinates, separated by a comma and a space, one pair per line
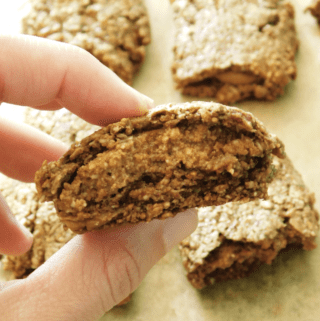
95, 271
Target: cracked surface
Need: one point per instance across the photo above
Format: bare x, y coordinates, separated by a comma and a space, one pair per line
60, 124
114, 31
234, 49
175, 157
234, 239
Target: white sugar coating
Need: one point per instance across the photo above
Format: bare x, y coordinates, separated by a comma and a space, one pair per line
114, 31
289, 202
253, 41
61, 124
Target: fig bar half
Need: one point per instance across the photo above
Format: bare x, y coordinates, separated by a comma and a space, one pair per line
177, 156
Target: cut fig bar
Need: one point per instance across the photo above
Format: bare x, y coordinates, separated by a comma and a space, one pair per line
233, 240
177, 156
233, 49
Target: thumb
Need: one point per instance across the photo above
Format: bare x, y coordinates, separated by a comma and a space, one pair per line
95, 271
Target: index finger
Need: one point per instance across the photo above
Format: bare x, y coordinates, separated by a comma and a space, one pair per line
47, 74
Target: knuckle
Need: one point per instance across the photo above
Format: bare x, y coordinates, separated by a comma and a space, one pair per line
122, 275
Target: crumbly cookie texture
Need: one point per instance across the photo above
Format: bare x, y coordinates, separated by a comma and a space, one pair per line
177, 156
314, 9
232, 240
114, 31
234, 49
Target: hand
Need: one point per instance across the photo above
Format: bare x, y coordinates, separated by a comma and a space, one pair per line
95, 271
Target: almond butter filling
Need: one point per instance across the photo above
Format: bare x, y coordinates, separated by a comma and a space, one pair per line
236, 78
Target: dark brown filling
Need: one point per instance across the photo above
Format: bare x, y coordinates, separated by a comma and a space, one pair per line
224, 136
182, 179
202, 186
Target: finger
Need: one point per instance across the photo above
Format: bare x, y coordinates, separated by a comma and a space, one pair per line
15, 239
8, 284
53, 105
93, 272
24, 148
39, 72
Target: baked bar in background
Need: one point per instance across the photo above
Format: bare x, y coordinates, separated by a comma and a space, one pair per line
41, 220
233, 240
114, 31
314, 9
60, 124
234, 49
177, 156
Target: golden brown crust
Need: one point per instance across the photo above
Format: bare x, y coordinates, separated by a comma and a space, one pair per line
233, 239
114, 31
234, 49
154, 166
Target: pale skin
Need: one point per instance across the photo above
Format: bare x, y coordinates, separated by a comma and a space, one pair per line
97, 270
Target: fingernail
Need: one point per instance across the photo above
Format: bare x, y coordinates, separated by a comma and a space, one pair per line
25, 231
179, 227
145, 103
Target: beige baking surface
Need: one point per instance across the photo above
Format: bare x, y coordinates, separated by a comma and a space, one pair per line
289, 289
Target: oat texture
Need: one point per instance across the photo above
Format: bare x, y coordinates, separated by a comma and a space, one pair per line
177, 156
234, 49
234, 239
61, 124
314, 9
114, 31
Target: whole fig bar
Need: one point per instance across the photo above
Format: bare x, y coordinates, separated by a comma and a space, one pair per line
116, 32
177, 156
234, 49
